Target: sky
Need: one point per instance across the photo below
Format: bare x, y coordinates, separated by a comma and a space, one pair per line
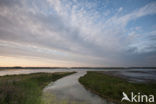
66, 33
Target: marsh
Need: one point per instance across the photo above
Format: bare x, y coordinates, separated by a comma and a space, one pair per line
69, 90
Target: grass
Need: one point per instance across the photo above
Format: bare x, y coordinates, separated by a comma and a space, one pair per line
26, 89
111, 88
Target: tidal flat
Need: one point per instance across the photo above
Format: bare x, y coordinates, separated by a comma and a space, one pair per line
86, 86
111, 87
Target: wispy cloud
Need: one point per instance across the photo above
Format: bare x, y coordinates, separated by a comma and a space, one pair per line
74, 31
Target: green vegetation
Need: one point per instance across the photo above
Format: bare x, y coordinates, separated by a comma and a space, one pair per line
26, 89
111, 88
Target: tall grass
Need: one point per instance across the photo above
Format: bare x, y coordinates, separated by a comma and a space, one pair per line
25, 89
111, 88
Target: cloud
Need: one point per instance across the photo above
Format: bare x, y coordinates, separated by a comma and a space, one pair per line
71, 31
148, 9
120, 9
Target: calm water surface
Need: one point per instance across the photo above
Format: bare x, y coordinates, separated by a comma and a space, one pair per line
133, 75
69, 91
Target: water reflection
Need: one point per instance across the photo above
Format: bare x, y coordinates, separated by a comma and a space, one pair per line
69, 91
28, 71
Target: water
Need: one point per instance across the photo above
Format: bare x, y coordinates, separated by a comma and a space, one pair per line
133, 75
28, 71
69, 91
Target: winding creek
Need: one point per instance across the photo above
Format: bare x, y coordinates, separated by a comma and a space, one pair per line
68, 90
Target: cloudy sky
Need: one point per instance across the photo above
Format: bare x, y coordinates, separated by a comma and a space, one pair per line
77, 33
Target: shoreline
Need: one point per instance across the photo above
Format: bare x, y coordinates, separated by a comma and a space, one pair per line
27, 88
111, 87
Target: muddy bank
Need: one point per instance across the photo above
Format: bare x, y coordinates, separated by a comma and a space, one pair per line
140, 76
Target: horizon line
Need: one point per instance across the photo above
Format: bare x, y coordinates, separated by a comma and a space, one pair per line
123, 67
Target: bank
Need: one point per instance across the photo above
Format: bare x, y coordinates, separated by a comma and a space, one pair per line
26, 89
111, 88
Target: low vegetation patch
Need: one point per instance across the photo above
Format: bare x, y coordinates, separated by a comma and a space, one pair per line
26, 89
111, 88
